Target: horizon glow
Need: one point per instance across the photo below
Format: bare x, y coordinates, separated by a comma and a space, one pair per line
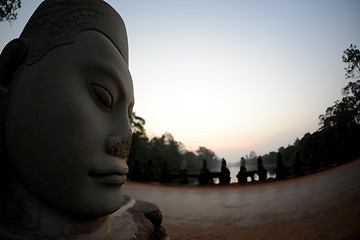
232, 76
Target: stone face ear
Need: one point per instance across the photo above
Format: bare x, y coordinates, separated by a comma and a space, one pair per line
13, 55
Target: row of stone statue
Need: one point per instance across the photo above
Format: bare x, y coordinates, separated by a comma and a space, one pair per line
206, 177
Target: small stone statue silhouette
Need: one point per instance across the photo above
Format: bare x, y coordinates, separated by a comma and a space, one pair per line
262, 172
225, 173
204, 177
241, 176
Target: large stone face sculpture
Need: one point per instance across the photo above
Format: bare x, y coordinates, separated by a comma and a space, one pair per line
66, 100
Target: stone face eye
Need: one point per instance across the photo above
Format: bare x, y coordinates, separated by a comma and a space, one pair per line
103, 95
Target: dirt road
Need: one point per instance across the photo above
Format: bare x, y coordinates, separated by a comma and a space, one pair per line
325, 205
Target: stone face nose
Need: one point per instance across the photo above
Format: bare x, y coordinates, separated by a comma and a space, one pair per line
119, 146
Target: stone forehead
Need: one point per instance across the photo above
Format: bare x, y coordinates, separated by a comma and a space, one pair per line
58, 22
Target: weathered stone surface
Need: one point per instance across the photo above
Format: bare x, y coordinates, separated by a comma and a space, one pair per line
134, 220
66, 97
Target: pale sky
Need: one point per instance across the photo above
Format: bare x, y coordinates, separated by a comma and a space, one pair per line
233, 76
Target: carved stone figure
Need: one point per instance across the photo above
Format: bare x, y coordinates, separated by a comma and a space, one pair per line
225, 173
242, 176
262, 172
204, 176
66, 98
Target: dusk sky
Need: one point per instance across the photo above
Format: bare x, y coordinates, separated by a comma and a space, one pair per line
233, 76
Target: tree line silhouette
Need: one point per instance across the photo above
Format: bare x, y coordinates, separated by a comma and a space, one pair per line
337, 141
160, 157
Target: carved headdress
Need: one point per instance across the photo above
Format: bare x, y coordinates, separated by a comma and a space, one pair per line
57, 22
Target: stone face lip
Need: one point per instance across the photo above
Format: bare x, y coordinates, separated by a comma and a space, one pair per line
112, 175
110, 179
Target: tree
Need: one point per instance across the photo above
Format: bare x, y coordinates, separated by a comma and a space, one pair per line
352, 58
341, 122
171, 152
346, 112
251, 159
164, 151
140, 148
162, 157
8, 8
337, 140
212, 160
252, 155
137, 125
191, 160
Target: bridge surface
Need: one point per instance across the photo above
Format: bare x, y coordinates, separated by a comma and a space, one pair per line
324, 205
